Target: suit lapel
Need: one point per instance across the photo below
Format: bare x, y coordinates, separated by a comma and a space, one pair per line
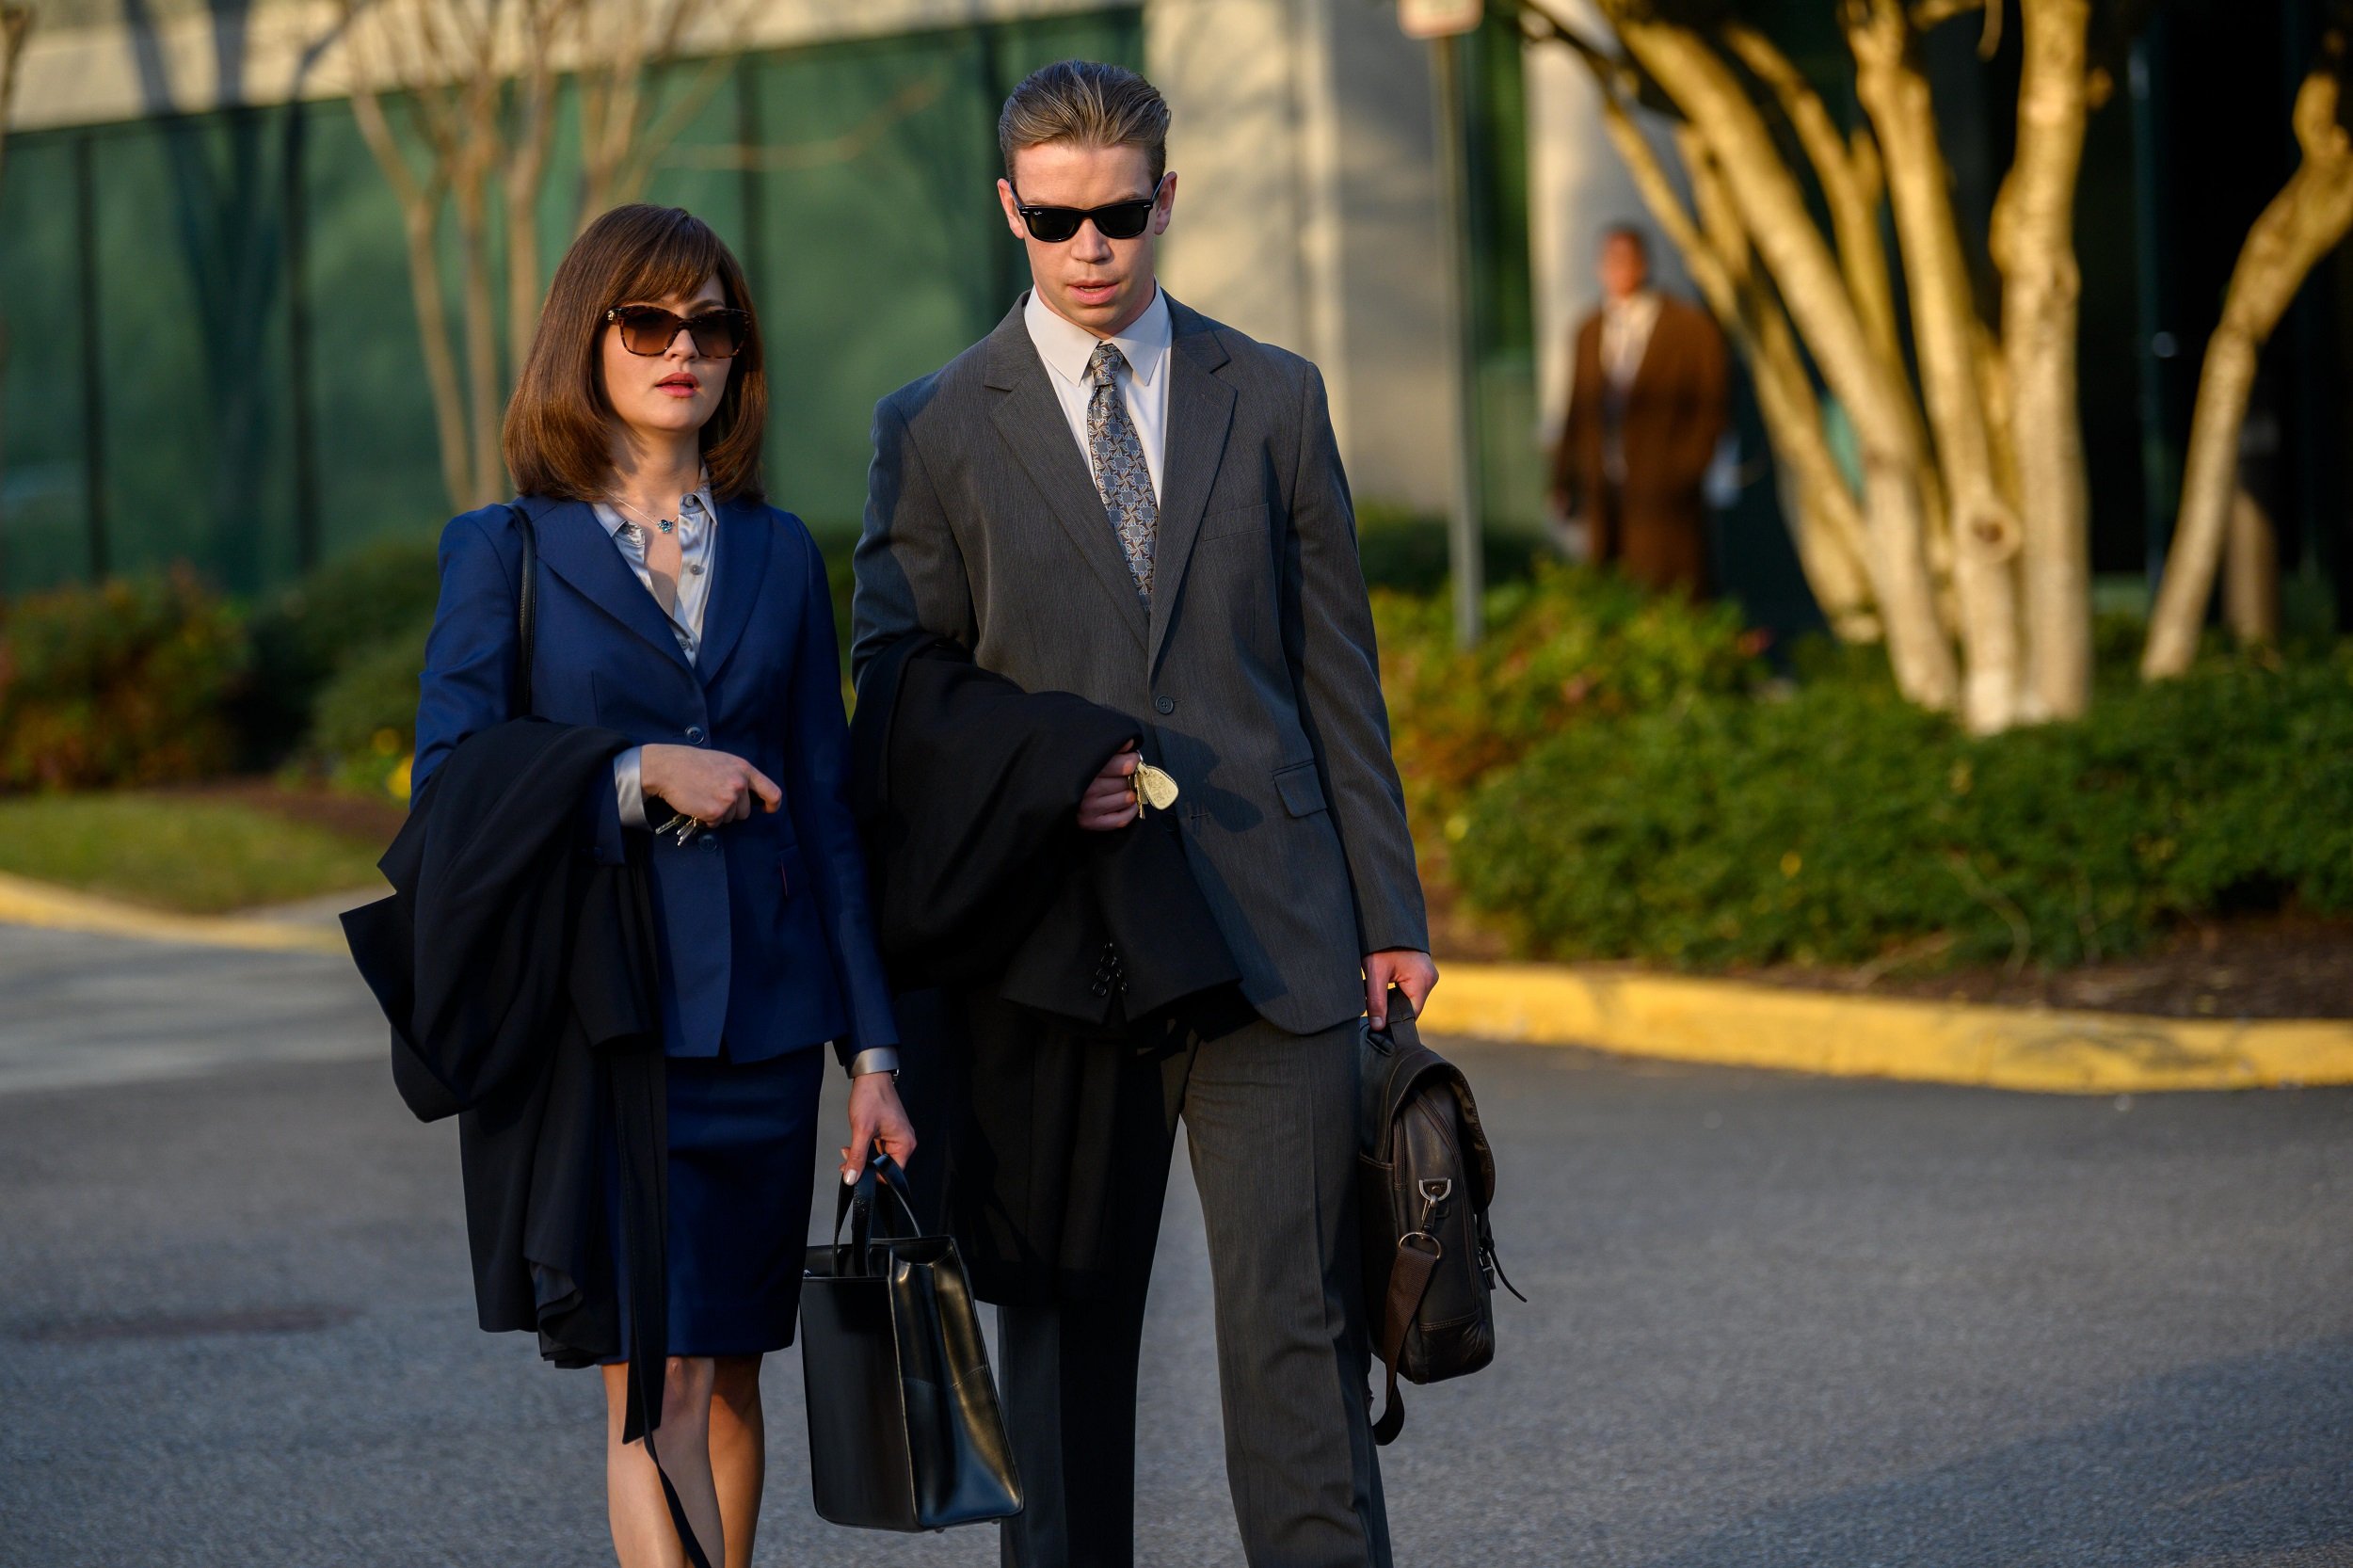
1200, 411
577, 548
1031, 420
739, 568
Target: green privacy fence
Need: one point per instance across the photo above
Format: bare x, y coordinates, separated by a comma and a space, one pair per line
212, 354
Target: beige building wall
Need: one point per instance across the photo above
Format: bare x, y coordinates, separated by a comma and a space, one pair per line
1309, 212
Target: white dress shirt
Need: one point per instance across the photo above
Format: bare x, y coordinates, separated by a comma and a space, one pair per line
1626, 326
1066, 347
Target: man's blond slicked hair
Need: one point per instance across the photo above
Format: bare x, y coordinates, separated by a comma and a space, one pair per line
1087, 103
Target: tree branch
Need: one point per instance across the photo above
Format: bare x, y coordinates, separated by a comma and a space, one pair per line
2303, 223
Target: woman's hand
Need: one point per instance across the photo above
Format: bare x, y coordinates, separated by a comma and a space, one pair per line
709, 786
876, 1117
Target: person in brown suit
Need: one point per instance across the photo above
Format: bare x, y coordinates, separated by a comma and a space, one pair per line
1646, 408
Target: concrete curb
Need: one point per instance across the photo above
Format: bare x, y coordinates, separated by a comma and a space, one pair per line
1632, 1014
37, 904
2038, 1049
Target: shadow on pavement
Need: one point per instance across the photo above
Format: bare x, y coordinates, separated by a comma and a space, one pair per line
2242, 1461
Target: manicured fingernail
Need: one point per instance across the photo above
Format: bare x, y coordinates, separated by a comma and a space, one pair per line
849, 1178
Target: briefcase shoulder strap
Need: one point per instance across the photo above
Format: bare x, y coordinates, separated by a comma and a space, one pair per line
1409, 1281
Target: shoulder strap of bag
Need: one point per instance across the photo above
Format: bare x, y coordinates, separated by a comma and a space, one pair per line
1409, 1281
526, 608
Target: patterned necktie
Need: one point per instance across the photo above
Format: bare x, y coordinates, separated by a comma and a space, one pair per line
1121, 477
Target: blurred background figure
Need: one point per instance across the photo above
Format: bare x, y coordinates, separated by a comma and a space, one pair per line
1646, 409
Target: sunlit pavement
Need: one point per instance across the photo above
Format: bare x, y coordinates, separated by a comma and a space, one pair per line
1775, 1320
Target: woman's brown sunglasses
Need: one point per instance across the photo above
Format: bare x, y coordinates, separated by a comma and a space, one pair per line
649, 329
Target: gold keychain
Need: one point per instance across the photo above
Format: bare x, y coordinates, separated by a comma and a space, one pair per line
1154, 788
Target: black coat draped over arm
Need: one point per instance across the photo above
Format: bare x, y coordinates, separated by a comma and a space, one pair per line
520, 979
1055, 949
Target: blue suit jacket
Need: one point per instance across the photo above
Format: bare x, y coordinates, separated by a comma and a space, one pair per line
766, 939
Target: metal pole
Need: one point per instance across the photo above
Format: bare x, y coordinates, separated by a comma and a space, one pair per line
1463, 522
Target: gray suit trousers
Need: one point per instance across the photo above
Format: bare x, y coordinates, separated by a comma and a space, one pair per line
1269, 1118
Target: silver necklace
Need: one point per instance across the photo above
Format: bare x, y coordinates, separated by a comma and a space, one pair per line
661, 524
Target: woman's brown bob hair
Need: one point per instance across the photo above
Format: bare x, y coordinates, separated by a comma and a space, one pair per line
558, 432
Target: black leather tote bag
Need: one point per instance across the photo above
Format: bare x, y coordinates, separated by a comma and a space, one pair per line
905, 1432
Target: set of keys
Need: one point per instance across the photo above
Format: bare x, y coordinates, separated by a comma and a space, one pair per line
683, 827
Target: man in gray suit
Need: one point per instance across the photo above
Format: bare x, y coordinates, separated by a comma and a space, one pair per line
1116, 496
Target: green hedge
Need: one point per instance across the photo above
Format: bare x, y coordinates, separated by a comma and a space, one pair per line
128, 683
346, 610
1840, 824
1565, 647
363, 722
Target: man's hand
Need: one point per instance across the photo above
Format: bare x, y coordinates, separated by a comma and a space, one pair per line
1109, 800
875, 1117
1408, 968
712, 786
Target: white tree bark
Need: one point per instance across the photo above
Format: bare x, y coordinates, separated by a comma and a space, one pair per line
2034, 245
1944, 328
2303, 223
1773, 211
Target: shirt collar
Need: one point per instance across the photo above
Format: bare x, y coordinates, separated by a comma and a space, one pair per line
1066, 346
614, 519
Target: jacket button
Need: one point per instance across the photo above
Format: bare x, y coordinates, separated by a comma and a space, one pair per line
695, 734
1164, 704
710, 840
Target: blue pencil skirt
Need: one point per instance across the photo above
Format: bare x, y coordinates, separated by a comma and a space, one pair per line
743, 1149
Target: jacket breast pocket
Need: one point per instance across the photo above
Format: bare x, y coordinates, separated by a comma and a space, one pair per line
1301, 789
1247, 521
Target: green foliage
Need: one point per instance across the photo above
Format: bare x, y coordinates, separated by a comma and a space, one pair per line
1843, 826
363, 722
196, 855
1565, 647
123, 684
347, 608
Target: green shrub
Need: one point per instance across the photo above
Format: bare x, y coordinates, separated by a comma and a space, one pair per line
363, 722
1564, 649
305, 634
1841, 824
121, 683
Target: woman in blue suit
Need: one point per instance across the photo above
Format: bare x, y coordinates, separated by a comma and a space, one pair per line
677, 608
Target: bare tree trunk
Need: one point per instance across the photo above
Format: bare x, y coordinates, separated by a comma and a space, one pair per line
1773, 211
480, 149
526, 173
2034, 245
2303, 223
1945, 325
1849, 175
2250, 574
1828, 528
420, 212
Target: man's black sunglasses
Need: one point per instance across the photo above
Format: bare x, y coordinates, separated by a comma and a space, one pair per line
1120, 220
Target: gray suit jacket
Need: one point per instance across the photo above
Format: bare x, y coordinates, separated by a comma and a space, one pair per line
1253, 676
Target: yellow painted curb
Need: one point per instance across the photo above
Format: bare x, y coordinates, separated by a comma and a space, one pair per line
2042, 1050
37, 904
